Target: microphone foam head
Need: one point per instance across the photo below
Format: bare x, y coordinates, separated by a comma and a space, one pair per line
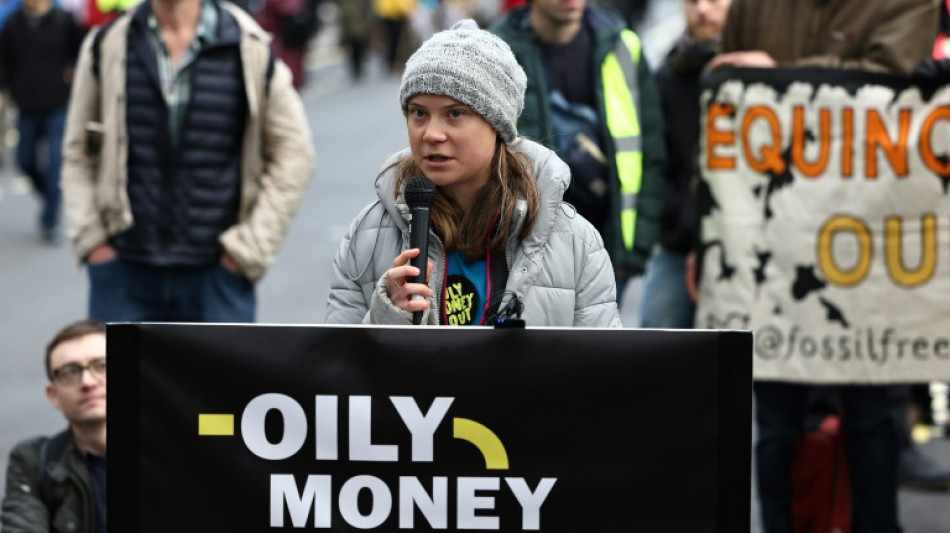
420, 192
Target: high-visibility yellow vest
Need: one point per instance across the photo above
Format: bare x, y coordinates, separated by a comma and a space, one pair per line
622, 106
107, 6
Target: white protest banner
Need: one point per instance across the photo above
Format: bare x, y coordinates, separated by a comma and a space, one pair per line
826, 222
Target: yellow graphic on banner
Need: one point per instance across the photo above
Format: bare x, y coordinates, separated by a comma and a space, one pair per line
496, 457
210, 425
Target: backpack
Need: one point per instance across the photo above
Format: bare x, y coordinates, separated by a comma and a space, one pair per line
298, 28
578, 143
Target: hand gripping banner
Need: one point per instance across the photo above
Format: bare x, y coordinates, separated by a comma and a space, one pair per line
221, 428
825, 205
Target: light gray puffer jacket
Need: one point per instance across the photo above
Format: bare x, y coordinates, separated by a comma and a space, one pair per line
561, 271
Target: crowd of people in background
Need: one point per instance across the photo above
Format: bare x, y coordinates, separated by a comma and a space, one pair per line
209, 102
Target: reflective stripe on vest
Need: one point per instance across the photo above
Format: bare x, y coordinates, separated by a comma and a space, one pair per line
622, 101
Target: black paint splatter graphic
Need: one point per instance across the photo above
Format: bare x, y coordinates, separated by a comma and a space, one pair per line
732, 321
778, 181
944, 179
705, 201
759, 271
833, 313
806, 282
726, 270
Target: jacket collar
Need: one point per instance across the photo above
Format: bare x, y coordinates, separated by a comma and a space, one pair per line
551, 174
228, 31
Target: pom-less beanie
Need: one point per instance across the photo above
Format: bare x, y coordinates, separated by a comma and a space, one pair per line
474, 67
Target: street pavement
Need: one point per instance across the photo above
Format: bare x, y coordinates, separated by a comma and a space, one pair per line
355, 127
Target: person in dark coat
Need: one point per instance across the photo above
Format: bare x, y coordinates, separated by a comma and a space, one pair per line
58, 484
666, 302
38, 49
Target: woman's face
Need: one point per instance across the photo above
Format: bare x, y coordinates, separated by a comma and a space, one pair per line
452, 144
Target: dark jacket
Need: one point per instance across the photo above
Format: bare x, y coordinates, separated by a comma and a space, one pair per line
678, 81
535, 123
24, 510
36, 56
184, 195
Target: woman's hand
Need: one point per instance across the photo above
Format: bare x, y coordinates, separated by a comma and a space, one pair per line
400, 290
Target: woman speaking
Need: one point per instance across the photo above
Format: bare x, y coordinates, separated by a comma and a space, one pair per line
501, 236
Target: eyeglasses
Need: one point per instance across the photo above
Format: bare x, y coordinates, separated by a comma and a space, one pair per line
71, 374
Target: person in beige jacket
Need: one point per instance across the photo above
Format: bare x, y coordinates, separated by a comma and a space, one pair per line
186, 156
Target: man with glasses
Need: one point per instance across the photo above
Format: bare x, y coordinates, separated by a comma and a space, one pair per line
58, 483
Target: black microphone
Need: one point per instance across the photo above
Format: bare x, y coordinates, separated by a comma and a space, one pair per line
420, 195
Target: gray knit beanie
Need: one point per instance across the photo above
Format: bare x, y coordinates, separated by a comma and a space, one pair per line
474, 67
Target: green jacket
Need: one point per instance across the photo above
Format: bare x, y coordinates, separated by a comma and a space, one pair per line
535, 123
24, 510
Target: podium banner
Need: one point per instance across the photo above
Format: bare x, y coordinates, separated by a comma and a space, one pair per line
825, 221
216, 428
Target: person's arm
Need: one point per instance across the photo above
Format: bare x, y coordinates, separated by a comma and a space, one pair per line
347, 303
732, 30
79, 172
7, 55
362, 254
898, 44
393, 301
77, 35
595, 299
288, 156
23, 510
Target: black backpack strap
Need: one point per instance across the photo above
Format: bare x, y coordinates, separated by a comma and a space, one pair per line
269, 73
97, 45
52, 449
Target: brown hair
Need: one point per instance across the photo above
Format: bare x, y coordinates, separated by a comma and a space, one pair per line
71, 332
468, 232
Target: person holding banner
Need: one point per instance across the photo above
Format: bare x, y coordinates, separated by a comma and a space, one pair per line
58, 484
666, 301
501, 235
879, 36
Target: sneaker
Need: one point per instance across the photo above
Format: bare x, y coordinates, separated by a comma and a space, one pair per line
916, 470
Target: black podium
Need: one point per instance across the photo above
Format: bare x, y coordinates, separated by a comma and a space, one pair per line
221, 428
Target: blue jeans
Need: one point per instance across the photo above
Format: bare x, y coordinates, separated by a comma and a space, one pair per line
665, 302
44, 129
125, 291
870, 442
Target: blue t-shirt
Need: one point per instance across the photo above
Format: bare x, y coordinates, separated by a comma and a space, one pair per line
465, 291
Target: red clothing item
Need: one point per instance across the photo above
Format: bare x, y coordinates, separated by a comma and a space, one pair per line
942, 45
511, 4
94, 17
